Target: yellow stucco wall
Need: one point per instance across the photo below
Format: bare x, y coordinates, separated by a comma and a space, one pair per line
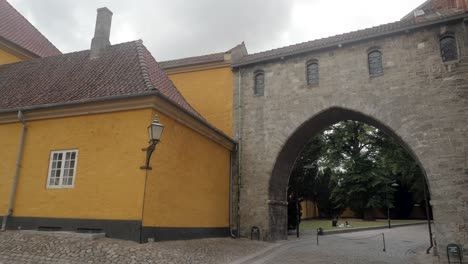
108, 183
6, 57
210, 93
9, 143
188, 186
309, 209
189, 183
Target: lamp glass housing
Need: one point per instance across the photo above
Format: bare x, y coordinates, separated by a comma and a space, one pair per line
155, 131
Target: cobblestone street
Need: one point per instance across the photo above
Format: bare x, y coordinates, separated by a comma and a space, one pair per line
403, 245
19, 248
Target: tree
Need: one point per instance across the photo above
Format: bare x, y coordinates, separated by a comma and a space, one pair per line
304, 177
353, 165
310, 182
351, 153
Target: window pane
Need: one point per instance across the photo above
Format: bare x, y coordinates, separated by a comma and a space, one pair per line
67, 181
375, 63
54, 181
73, 155
312, 74
259, 84
448, 49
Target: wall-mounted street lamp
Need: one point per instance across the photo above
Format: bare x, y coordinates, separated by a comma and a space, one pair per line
154, 133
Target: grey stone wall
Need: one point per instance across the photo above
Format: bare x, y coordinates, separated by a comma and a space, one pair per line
418, 99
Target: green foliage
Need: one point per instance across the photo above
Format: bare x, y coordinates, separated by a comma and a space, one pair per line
354, 165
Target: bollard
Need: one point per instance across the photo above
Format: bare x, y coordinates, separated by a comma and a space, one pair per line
255, 231
383, 239
317, 236
319, 233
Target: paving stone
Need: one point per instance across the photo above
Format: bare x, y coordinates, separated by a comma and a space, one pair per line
404, 245
18, 248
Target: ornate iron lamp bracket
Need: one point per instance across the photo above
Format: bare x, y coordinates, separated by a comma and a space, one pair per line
149, 151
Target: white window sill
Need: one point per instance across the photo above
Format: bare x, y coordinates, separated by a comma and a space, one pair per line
60, 187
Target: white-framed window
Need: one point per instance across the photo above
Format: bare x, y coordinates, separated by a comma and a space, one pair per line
62, 169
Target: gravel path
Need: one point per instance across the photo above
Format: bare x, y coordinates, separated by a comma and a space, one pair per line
17, 247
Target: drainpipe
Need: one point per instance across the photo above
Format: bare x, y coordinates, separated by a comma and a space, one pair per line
15, 179
230, 195
239, 149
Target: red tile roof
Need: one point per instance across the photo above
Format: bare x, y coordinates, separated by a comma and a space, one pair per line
17, 29
335, 41
121, 70
431, 11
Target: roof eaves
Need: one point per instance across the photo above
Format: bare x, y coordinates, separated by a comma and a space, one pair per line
37, 31
77, 102
353, 40
190, 64
120, 97
198, 118
12, 45
194, 60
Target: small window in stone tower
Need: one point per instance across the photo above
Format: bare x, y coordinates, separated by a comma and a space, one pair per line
375, 63
313, 73
448, 48
259, 84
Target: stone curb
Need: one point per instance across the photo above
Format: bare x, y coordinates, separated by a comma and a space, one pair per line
88, 236
350, 230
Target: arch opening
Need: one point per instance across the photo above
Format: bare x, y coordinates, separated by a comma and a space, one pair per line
286, 159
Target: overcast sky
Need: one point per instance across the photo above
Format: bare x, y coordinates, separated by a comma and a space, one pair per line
181, 28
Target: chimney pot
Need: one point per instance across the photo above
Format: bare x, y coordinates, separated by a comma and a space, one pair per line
101, 32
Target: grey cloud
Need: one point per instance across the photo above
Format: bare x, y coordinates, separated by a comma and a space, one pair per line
170, 29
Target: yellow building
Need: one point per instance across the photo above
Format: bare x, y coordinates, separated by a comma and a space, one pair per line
309, 209
19, 40
73, 133
207, 84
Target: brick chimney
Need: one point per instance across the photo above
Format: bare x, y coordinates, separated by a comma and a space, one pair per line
450, 4
102, 31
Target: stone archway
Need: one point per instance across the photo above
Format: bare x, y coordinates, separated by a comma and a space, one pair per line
418, 100
292, 148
